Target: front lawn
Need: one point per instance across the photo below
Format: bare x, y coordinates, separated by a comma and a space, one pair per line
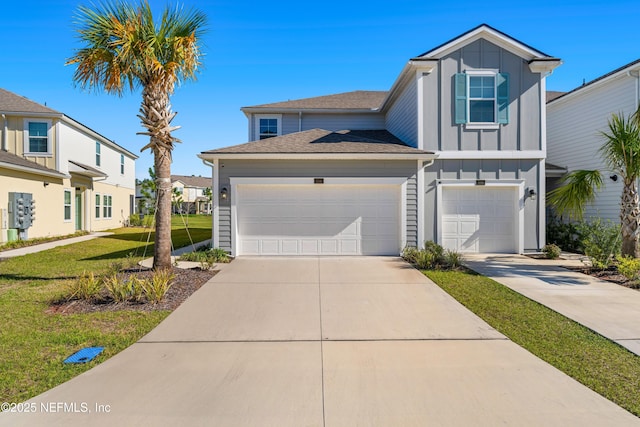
34, 342
588, 357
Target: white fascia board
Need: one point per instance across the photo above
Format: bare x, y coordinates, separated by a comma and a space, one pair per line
29, 114
491, 154
318, 156
33, 171
494, 37
545, 66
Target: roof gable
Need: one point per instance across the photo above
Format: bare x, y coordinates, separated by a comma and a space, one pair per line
489, 33
192, 181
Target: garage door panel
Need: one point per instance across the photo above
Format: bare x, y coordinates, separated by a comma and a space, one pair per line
479, 219
318, 219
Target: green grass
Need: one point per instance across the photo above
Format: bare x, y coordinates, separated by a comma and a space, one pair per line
34, 343
30, 242
588, 357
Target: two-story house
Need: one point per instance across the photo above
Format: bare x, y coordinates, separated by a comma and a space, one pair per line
193, 193
454, 152
575, 121
76, 178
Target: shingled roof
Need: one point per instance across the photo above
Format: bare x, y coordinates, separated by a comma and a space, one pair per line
192, 180
320, 141
356, 100
12, 161
10, 102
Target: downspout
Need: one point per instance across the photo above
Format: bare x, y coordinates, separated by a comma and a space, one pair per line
4, 133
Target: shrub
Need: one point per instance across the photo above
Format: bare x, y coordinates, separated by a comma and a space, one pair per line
565, 234
85, 287
219, 255
432, 257
121, 290
157, 287
601, 241
551, 251
453, 259
136, 220
205, 255
409, 254
629, 267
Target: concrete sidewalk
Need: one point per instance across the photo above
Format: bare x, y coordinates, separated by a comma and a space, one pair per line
359, 341
50, 245
609, 309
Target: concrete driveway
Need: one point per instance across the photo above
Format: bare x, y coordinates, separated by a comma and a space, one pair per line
323, 342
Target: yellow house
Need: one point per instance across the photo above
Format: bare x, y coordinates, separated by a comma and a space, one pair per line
76, 178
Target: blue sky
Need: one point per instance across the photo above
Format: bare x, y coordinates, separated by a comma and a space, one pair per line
259, 52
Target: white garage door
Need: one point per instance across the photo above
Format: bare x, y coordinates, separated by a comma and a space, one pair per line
480, 219
318, 219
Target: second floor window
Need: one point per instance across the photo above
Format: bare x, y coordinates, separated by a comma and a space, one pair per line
38, 138
481, 98
268, 128
97, 153
121, 164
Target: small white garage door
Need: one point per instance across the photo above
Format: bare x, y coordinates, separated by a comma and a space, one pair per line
480, 219
318, 219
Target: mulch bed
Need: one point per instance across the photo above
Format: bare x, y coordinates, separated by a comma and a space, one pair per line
610, 275
186, 282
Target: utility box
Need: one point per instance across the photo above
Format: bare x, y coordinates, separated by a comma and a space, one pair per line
20, 206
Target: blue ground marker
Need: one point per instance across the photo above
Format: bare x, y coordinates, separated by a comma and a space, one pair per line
85, 355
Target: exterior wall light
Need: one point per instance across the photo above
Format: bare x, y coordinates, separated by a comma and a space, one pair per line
532, 193
614, 177
224, 193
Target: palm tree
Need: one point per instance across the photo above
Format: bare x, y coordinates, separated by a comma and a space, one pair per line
125, 49
621, 154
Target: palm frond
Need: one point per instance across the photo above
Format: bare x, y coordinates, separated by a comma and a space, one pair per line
577, 190
621, 150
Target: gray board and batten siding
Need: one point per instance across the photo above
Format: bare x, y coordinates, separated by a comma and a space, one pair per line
523, 132
318, 169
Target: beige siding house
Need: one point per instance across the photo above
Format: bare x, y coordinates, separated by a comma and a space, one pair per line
192, 191
76, 178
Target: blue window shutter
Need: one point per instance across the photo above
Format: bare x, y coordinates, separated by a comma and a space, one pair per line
502, 84
461, 98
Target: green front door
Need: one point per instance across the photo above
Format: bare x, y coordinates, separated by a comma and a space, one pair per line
78, 210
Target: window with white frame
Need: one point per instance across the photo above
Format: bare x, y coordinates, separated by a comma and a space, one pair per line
268, 126
98, 153
121, 164
36, 140
67, 205
106, 206
482, 98
98, 197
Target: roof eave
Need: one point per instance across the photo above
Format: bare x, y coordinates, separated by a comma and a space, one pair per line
319, 156
20, 168
273, 110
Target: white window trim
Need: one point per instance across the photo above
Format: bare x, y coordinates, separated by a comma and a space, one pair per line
25, 133
64, 205
266, 116
98, 146
517, 184
109, 206
234, 182
98, 196
482, 125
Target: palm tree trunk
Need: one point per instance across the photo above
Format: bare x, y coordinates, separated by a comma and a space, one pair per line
162, 248
630, 218
156, 116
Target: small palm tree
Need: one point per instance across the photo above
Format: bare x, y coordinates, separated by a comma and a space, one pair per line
621, 153
124, 48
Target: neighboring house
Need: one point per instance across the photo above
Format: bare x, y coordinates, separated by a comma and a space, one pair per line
192, 192
574, 122
77, 178
454, 152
